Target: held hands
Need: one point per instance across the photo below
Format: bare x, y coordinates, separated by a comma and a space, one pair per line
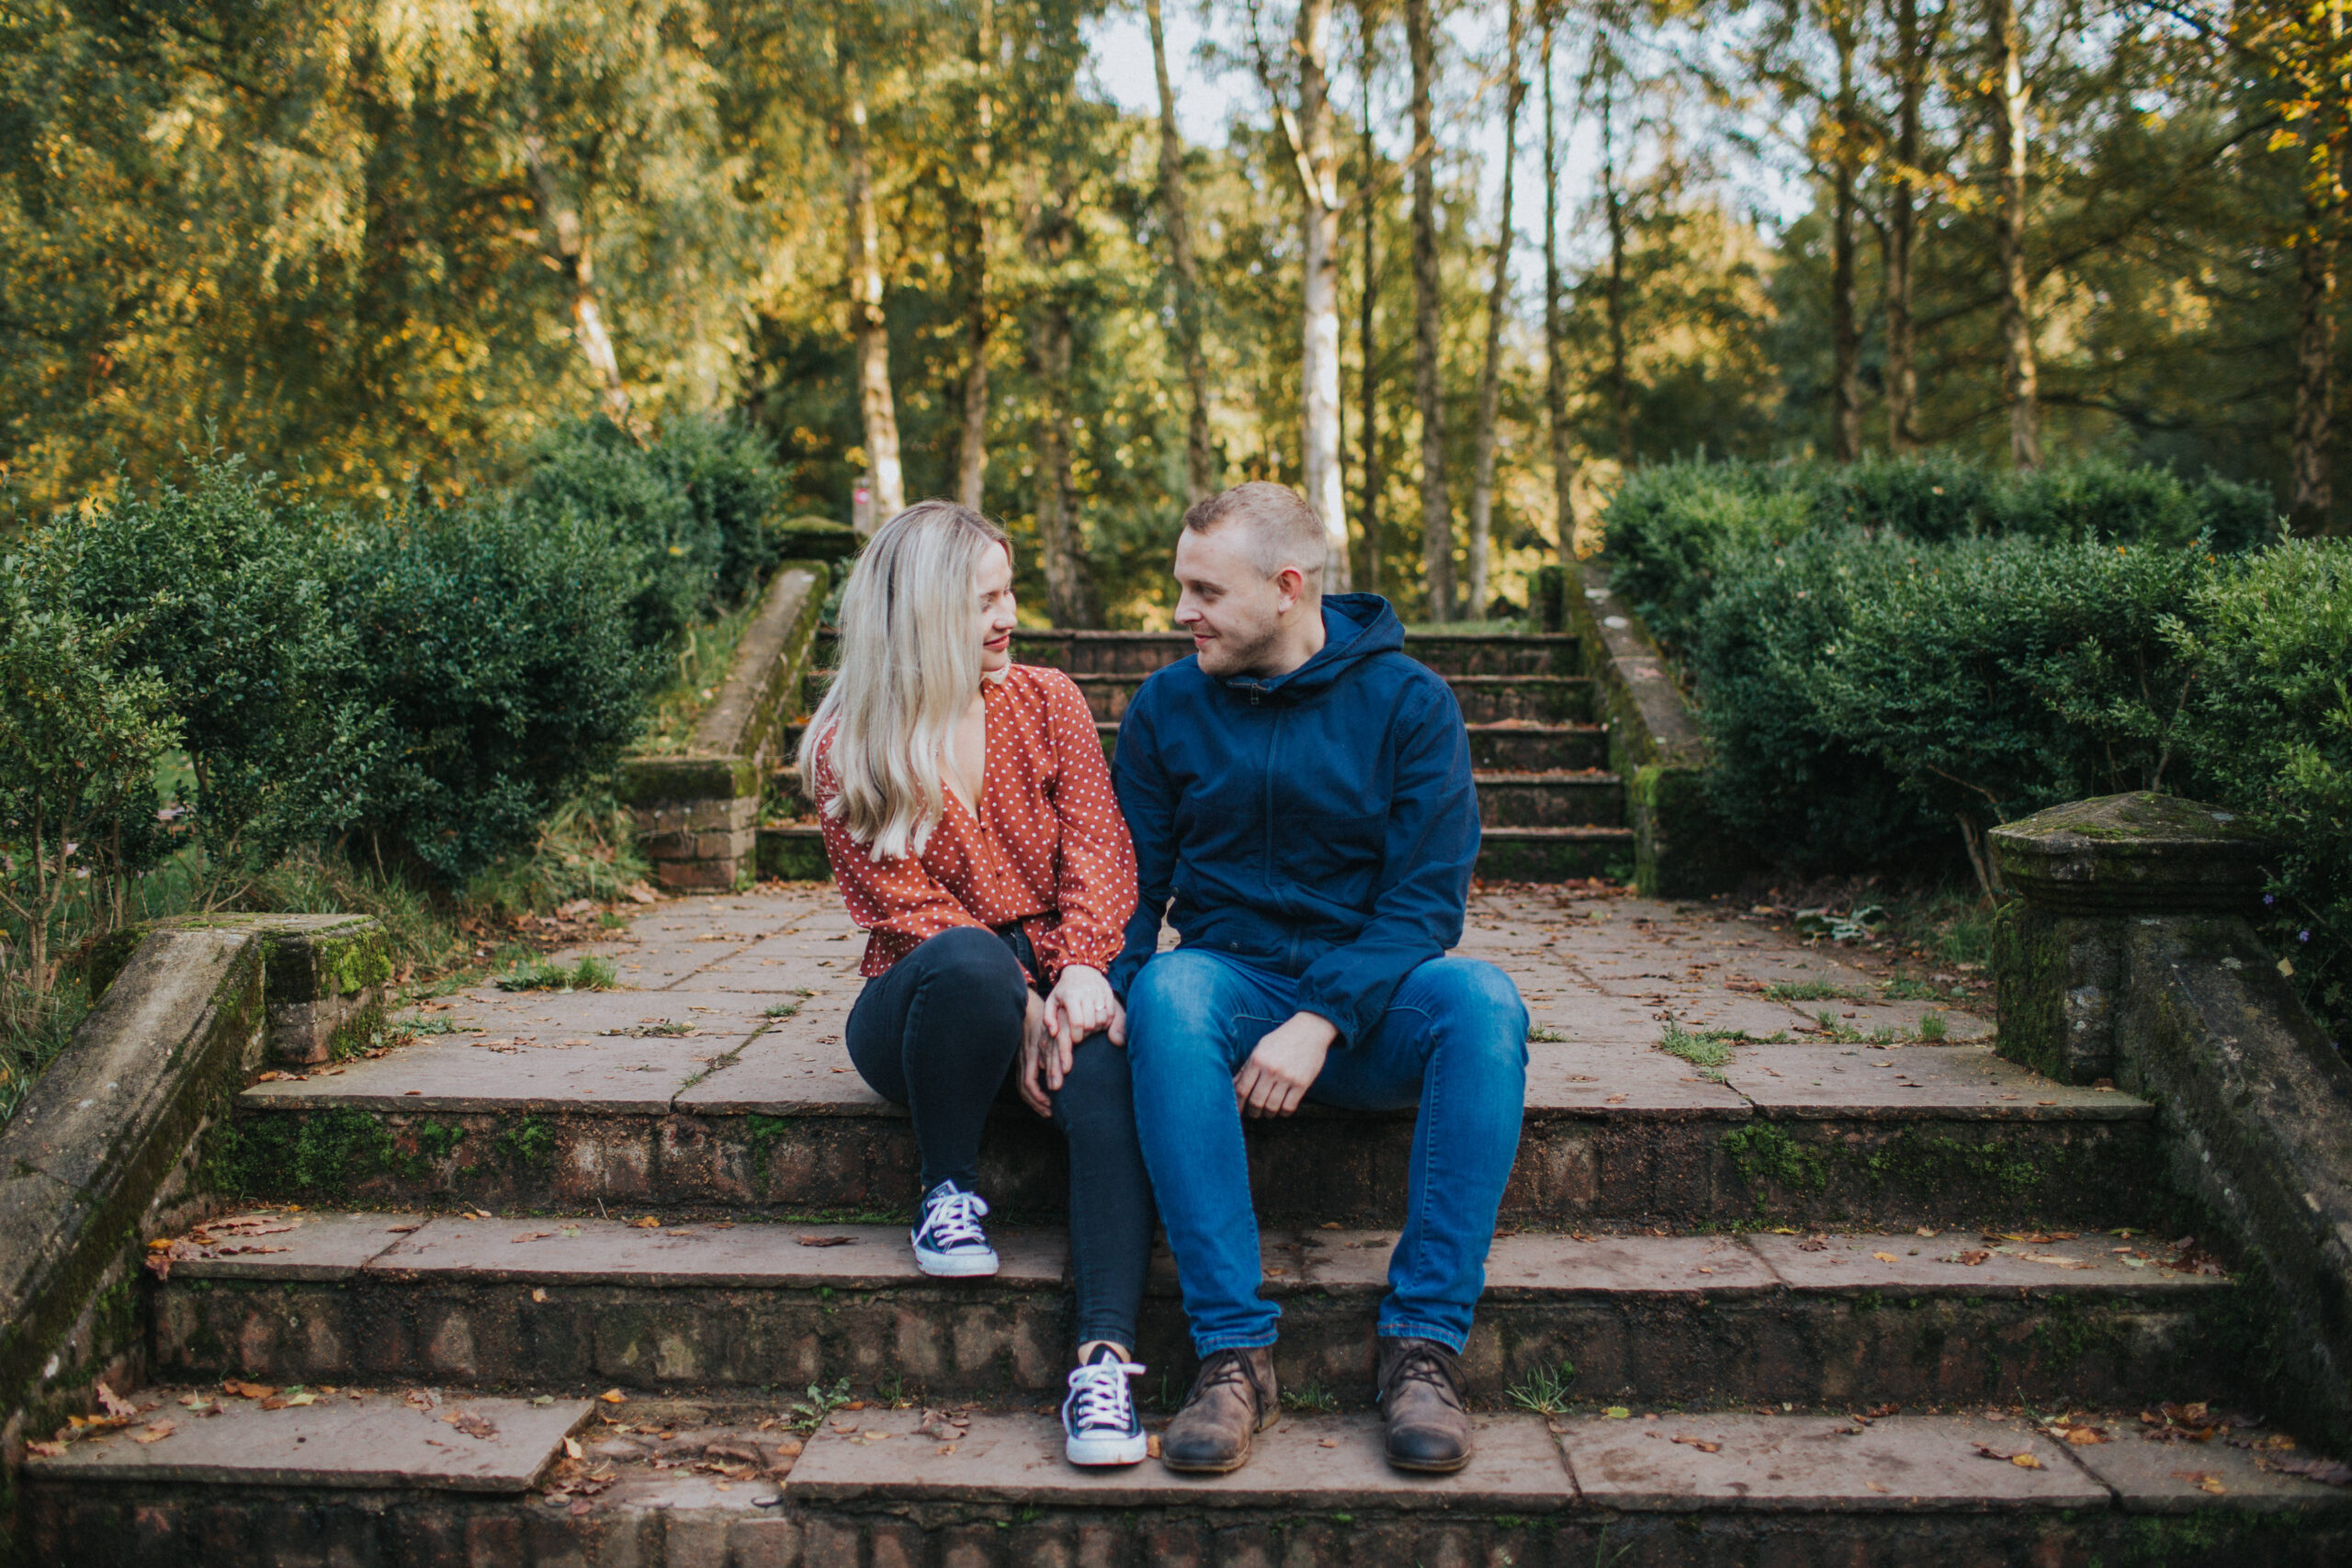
1081, 1004
1285, 1066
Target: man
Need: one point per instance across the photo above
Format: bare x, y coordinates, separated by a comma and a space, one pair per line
1302, 788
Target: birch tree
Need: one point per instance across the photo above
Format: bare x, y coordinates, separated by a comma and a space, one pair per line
1200, 460
1437, 514
1555, 346
869, 330
1482, 488
2020, 377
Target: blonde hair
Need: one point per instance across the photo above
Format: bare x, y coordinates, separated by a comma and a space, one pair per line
1281, 528
908, 669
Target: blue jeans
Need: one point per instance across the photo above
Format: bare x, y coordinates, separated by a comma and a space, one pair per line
1453, 1043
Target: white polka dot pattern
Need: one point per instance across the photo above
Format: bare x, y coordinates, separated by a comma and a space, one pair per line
1049, 848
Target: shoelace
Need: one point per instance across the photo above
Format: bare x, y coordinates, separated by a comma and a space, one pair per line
1101, 1396
1221, 1368
1419, 1364
953, 1219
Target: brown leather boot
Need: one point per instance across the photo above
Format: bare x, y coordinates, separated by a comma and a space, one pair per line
1420, 1395
1233, 1397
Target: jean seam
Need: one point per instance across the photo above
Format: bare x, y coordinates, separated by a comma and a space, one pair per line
1405, 1328
1215, 1343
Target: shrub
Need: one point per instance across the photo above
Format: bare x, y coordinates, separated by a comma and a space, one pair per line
1780, 774
694, 513
1675, 529
2269, 732
218, 591
487, 673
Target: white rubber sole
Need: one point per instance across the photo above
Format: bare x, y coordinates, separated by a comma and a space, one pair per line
956, 1265
1088, 1452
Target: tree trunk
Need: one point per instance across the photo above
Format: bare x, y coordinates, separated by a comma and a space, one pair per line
2312, 505
2019, 376
1555, 346
1914, 53
871, 334
1482, 484
1200, 462
972, 452
1844, 329
1367, 346
1069, 597
1319, 350
1437, 516
1621, 380
565, 239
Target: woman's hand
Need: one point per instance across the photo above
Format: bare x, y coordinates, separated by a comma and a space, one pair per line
1082, 1003
1042, 1056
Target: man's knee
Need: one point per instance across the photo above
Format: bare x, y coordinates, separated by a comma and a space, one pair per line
1175, 1009
1483, 1005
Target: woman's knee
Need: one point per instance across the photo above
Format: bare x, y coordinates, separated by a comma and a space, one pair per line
967, 956
1097, 1093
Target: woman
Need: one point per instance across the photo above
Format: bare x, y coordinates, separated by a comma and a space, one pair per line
969, 819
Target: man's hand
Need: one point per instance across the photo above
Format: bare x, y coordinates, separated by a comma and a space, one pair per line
1045, 1056
1285, 1066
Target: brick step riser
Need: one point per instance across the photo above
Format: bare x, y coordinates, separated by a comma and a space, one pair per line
1595, 802
1143, 653
195, 1527
984, 1340
1533, 699
1570, 1170
1544, 749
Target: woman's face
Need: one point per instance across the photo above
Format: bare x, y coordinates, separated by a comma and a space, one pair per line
992, 618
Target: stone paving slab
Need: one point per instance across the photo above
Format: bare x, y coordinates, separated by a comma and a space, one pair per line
1302, 1462
798, 1066
694, 1253
1966, 1081
1939, 1265
1623, 1079
442, 1074
343, 1440
311, 1246
1550, 1264
1820, 1463
2181, 1478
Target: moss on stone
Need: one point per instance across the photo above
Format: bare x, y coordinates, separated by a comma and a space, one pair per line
305, 1154
528, 1141
1765, 1156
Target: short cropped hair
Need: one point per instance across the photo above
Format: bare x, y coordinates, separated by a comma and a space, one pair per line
1283, 529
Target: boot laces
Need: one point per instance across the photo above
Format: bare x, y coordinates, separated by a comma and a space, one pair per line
951, 1217
1099, 1395
1423, 1363
1224, 1367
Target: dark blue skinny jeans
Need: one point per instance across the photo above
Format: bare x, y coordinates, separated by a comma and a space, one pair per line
940, 1033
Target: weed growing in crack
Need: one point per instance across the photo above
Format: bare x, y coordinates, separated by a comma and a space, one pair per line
1544, 1389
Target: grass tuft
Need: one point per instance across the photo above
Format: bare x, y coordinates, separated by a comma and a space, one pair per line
1934, 1027
1708, 1051
1545, 1391
590, 974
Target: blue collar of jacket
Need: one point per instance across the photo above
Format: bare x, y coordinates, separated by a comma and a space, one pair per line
1356, 627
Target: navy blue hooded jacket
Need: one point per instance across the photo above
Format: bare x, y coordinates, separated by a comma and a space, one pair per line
1321, 824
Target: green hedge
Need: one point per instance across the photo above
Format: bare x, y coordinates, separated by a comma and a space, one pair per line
1871, 699
1675, 529
433, 684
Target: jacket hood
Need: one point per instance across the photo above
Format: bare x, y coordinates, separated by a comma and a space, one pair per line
1356, 627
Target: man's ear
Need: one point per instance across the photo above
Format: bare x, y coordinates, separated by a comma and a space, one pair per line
1291, 584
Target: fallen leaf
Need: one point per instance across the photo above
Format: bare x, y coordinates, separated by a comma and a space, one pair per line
114, 1403
421, 1397
272, 1403
1973, 1259
471, 1425
2022, 1458
647, 1224
1151, 1445
154, 1432
1883, 1257
824, 1240
788, 1448
613, 1396
247, 1390
1703, 1445
304, 1397
1814, 1244
533, 1235
573, 1449
1618, 1413
57, 1451
2025, 1461
1326, 1443
2203, 1480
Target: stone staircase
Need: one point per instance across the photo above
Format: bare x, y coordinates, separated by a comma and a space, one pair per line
619, 1278
1549, 807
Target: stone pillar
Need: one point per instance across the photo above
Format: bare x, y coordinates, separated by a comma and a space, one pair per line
2090, 876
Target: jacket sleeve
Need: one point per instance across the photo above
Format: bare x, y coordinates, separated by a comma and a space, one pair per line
1095, 865
898, 902
1432, 843
1150, 806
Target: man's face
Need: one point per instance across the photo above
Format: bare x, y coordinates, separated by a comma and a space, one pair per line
1232, 609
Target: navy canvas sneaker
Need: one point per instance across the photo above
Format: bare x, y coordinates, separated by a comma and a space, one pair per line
948, 1240
1099, 1419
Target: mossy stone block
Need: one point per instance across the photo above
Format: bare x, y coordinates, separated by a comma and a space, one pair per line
2137, 854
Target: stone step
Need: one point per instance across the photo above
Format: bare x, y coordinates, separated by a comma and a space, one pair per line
582, 1303
1140, 653
664, 1483
795, 852
754, 1114
1485, 699
1516, 747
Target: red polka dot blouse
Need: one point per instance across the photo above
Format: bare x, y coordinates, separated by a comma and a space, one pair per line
1049, 848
